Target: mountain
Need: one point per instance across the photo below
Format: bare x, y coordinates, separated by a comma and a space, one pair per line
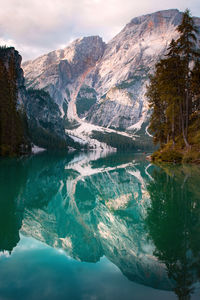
105, 84
46, 126
60, 71
123, 71
26, 116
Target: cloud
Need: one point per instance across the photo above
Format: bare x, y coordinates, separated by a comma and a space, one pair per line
35, 26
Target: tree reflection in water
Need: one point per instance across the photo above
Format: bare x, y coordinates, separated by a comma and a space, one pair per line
11, 184
173, 223
92, 206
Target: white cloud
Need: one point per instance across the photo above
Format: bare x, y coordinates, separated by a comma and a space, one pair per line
38, 26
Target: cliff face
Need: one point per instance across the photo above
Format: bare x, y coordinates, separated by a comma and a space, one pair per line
13, 138
105, 84
93, 87
118, 68
46, 126
9, 55
42, 124
122, 73
60, 71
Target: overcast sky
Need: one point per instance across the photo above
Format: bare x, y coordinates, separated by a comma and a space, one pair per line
36, 27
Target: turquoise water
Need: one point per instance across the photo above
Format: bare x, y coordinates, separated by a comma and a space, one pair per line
98, 226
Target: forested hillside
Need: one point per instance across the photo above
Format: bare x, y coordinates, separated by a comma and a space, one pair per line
13, 124
174, 94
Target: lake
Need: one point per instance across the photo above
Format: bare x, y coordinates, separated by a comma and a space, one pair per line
98, 226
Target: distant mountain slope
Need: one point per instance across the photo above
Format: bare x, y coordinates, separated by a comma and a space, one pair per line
26, 116
105, 84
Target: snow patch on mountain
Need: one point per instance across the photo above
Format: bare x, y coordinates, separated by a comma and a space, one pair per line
116, 72
84, 132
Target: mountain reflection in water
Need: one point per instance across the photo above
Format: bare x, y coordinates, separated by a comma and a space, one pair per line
143, 218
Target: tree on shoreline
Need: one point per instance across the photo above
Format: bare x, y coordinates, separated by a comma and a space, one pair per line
174, 88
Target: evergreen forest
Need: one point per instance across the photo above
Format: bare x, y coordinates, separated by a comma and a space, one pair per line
13, 124
174, 96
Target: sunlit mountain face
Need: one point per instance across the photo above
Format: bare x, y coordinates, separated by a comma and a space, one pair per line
101, 215
100, 88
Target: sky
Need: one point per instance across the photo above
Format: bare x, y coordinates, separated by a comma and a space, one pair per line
36, 27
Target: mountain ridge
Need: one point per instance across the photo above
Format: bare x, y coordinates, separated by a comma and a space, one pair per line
117, 72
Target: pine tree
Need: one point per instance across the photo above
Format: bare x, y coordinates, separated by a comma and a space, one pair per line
165, 96
158, 118
195, 87
186, 45
174, 89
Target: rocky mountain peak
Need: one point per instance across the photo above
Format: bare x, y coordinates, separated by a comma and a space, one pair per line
83, 53
114, 76
158, 18
86, 49
59, 68
92, 47
7, 56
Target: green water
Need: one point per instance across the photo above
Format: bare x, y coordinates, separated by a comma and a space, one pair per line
98, 226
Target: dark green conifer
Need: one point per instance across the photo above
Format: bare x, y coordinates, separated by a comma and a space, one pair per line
186, 45
11, 129
174, 92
